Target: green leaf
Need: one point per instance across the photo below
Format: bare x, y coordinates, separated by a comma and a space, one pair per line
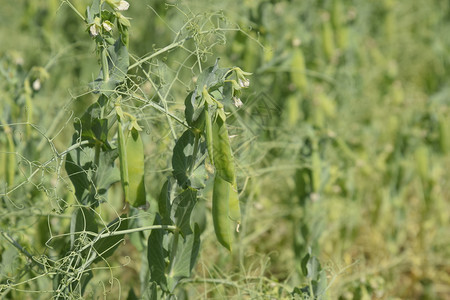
132, 295
118, 62
181, 210
107, 172
164, 202
91, 126
187, 171
156, 255
304, 264
85, 278
78, 174
320, 287
171, 257
198, 215
212, 78
152, 292
92, 11
82, 220
81, 169
106, 246
194, 110
185, 259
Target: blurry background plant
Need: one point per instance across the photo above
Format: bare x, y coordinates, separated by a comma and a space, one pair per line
341, 145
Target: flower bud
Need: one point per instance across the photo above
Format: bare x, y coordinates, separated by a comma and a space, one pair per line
37, 85
123, 5
107, 25
237, 102
93, 29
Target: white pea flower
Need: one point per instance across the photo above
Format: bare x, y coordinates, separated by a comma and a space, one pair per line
123, 5
93, 29
244, 83
237, 102
107, 25
37, 85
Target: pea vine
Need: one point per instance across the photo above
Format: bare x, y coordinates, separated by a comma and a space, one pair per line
107, 148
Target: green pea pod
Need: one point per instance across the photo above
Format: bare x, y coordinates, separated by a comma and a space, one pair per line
220, 211
328, 39
10, 165
223, 159
209, 133
316, 168
28, 107
233, 204
298, 71
122, 159
135, 164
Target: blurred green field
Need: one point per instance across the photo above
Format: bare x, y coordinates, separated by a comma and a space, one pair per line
342, 144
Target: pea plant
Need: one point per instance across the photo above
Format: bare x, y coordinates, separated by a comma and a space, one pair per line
108, 149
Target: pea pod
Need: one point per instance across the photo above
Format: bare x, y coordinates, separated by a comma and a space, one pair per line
233, 204
122, 159
131, 158
135, 164
225, 196
298, 71
209, 134
220, 211
339, 26
327, 39
223, 159
10, 165
28, 107
316, 168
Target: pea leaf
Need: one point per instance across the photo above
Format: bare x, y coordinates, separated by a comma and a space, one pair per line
91, 126
106, 246
181, 209
118, 61
186, 170
82, 220
213, 78
92, 10
171, 257
183, 263
81, 169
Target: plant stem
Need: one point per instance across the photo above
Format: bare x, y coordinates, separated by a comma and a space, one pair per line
75, 10
161, 51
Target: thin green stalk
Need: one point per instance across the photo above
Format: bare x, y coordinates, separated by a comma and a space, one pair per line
21, 249
58, 155
161, 51
160, 109
75, 10
166, 108
122, 232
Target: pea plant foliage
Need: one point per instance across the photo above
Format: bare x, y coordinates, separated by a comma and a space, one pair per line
108, 150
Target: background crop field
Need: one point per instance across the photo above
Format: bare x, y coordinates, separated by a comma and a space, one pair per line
342, 145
